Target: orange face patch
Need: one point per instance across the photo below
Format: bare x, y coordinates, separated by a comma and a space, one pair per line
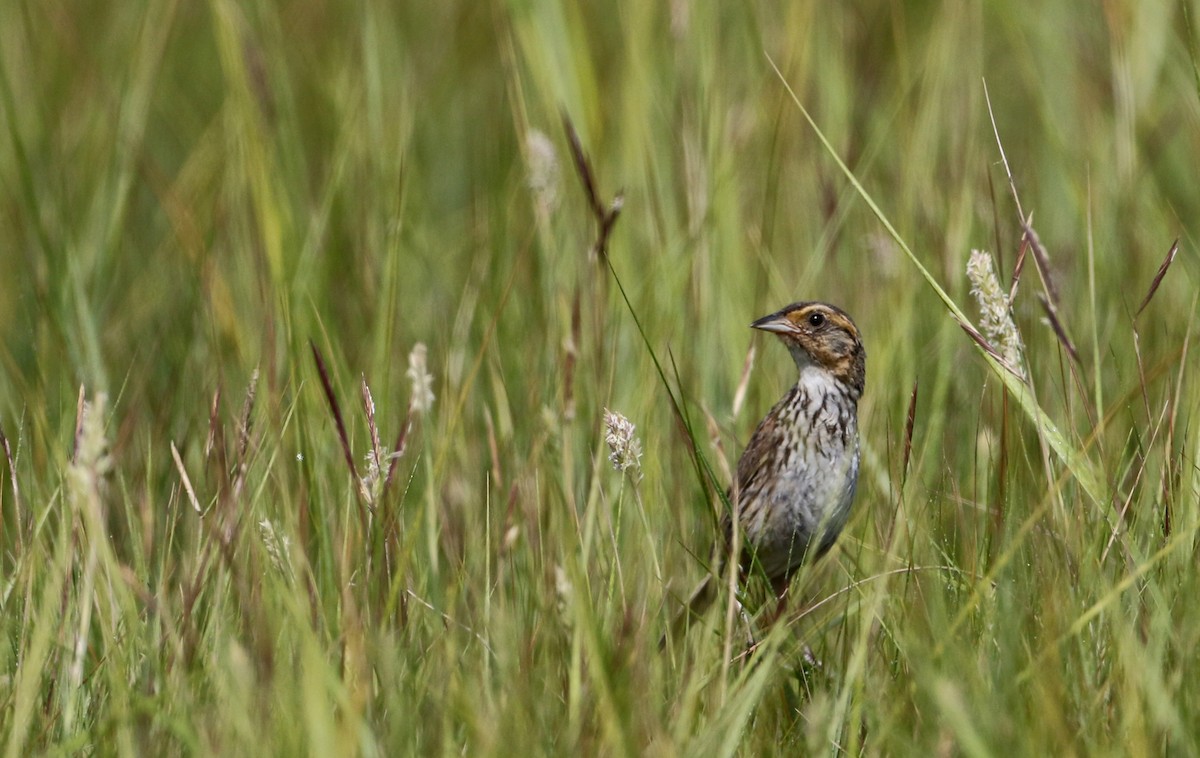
812, 318
826, 333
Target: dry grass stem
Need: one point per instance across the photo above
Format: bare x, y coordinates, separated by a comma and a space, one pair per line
215, 436
605, 217
183, 477
1019, 265
335, 410
1158, 277
399, 447
244, 428
16, 490
909, 423
739, 395
372, 428
1043, 265
1059, 332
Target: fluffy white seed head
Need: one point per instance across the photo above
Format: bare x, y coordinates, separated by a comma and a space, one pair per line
625, 451
422, 380
994, 317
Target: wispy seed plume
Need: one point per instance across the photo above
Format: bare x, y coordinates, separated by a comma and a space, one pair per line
278, 546
994, 316
92, 461
625, 450
422, 380
545, 175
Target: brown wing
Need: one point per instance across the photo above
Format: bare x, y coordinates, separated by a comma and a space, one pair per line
757, 466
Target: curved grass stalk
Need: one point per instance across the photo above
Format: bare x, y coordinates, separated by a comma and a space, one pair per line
1081, 467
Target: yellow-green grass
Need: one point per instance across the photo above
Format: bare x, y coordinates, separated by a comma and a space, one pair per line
194, 196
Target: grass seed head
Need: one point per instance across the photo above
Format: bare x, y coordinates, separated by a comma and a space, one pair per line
544, 176
625, 450
92, 461
994, 319
422, 380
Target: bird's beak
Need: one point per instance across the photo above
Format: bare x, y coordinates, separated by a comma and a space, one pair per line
777, 323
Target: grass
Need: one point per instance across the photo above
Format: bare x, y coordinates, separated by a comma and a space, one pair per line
197, 199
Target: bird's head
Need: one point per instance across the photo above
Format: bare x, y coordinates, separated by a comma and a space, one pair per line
821, 335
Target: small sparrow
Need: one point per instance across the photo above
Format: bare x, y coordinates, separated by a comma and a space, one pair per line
796, 479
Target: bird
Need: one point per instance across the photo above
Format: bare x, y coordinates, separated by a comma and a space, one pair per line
796, 479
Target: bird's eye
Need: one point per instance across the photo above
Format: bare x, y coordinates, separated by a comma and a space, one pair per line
816, 319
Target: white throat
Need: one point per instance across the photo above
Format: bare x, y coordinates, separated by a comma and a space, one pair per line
816, 379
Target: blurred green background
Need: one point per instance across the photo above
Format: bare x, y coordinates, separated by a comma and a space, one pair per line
193, 191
